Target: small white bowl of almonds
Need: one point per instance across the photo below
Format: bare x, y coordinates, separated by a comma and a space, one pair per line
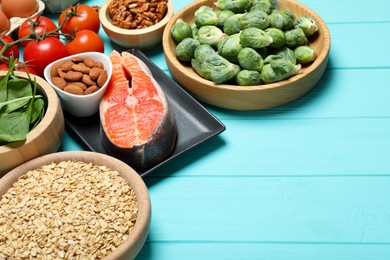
80, 81
73, 205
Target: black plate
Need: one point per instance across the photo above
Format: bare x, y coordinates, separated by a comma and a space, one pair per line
195, 124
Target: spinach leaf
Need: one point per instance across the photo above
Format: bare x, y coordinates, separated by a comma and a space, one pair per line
38, 108
24, 99
17, 88
21, 109
14, 127
3, 87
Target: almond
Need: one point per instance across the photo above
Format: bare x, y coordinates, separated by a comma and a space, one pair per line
61, 74
67, 66
102, 78
91, 90
55, 67
58, 82
73, 76
77, 59
86, 79
95, 73
74, 89
99, 65
80, 84
81, 68
89, 62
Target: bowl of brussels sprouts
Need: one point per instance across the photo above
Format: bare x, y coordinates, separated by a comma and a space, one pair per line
247, 54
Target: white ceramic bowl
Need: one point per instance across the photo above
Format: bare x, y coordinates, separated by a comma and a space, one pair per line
55, 6
82, 105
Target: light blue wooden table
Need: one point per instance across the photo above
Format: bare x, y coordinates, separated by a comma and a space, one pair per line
308, 180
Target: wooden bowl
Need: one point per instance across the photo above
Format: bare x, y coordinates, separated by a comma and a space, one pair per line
45, 138
131, 246
134, 38
250, 97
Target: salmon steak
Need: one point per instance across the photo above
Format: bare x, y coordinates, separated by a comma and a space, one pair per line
137, 123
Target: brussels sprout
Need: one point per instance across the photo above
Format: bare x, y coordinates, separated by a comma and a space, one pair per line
229, 47
305, 54
250, 59
202, 52
295, 37
222, 16
232, 24
186, 48
307, 24
276, 19
205, 15
281, 19
288, 22
254, 38
181, 30
264, 5
248, 78
194, 29
263, 52
197, 65
284, 53
236, 6
211, 35
278, 38
254, 18
278, 70
217, 69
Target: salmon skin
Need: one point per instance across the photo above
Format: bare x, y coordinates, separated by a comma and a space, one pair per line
138, 125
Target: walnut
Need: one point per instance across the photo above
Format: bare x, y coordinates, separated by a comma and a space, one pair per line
136, 14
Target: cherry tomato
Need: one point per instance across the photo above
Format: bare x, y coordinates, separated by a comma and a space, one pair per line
85, 41
20, 67
80, 17
39, 54
11, 51
40, 25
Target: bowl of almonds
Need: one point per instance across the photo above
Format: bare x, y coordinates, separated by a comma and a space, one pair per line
80, 81
73, 205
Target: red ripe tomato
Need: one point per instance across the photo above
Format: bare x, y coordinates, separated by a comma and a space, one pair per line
39, 54
11, 51
40, 25
20, 67
85, 41
79, 17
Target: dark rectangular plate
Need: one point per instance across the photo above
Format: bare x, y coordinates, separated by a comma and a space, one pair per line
195, 124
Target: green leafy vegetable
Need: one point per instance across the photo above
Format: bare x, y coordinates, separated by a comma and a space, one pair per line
20, 108
248, 78
242, 39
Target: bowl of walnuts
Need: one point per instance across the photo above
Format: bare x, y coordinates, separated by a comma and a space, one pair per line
135, 26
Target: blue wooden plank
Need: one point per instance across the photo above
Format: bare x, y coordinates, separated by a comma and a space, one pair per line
271, 209
350, 11
339, 94
263, 251
291, 147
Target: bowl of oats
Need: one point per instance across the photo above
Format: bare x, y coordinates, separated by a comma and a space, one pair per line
76, 204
